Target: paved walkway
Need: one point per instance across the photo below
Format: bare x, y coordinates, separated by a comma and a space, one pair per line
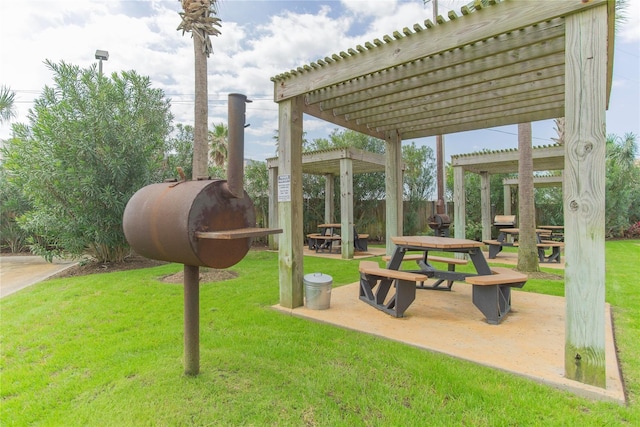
18, 272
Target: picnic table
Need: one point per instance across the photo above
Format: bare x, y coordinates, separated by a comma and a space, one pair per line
330, 234
557, 232
491, 286
508, 237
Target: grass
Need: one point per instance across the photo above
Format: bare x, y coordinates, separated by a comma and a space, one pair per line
106, 350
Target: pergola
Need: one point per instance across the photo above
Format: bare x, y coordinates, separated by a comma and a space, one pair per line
343, 162
545, 158
508, 63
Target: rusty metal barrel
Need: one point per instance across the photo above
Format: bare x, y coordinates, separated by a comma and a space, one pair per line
167, 222
440, 224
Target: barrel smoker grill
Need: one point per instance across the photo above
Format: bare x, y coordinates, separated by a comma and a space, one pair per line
440, 224
201, 223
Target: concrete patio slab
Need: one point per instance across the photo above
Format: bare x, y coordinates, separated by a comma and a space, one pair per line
528, 343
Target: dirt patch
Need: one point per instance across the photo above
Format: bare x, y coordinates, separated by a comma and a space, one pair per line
207, 275
544, 276
135, 262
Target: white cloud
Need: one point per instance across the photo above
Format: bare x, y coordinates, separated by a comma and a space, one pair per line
630, 30
262, 42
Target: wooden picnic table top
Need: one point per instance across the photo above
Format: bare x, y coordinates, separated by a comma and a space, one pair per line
517, 230
435, 242
552, 227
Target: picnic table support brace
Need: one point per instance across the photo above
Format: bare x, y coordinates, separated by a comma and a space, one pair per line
396, 306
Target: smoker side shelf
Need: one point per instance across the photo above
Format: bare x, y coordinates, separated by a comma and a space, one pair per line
239, 233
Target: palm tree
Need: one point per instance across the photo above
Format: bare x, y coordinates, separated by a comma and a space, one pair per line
218, 144
528, 250
198, 20
7, 111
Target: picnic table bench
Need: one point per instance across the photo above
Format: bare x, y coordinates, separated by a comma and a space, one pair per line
375, 284
554, 256
491, 293
451, 266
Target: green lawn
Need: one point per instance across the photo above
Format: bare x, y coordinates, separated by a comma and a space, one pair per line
106, 350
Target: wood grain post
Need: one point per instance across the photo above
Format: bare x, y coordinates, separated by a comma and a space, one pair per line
584, 195
290, 211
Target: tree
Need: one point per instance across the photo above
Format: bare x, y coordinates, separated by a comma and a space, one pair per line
91, 142
622, 184
198, 20
256, 182
6, 104
418, 182
219, 144
180, 152
528, 250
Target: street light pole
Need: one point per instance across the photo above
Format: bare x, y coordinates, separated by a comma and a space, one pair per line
100, 56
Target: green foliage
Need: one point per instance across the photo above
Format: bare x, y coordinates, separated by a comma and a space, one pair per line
622, 184
419, 182
179, 152
256, 184
7, 98
91, 142
13, 203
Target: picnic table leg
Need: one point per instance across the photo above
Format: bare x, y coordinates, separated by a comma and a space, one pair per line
494, 250
479, 261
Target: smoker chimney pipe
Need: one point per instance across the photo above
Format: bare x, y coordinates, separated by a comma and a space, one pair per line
235, 168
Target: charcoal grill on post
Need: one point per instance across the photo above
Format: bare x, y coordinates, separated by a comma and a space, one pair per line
208, 223
440, 224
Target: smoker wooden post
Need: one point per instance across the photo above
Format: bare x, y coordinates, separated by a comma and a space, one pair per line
191, 320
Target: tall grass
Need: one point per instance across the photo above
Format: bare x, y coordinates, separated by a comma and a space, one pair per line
106, 350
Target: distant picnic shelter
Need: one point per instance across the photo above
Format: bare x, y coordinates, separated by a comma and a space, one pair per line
343, 162
485, 164
510, 62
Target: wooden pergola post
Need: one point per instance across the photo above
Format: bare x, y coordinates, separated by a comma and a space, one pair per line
393, 187
485, 205
329, 205
273, 207
346, 207
459, 203
289, 202
584, 194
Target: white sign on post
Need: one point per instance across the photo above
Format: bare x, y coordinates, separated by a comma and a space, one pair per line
284, 188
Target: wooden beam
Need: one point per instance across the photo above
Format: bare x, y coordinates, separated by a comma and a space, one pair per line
475, 27
487, 119
290, 203
314, 110
473, 102
273, 206
459, 203
526, 59
584, 196
329, 207
535, 35
485, 205
346, 208
478, 83
393, 187
527, 103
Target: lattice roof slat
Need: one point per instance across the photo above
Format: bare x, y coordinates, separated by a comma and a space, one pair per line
488, 66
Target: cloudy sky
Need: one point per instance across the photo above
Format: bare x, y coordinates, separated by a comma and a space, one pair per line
260, 39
